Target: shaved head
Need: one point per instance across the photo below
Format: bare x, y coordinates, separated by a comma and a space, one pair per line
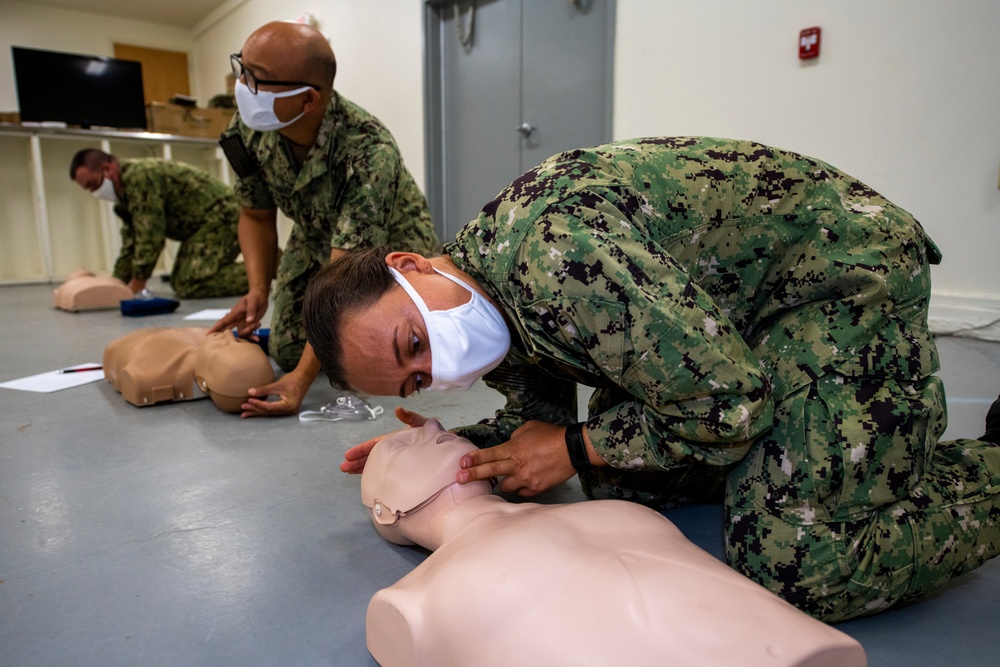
290, 51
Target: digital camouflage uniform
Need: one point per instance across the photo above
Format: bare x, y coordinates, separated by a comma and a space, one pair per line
163, 200
750, 318
353, 191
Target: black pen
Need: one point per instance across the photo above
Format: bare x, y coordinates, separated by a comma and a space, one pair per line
80, 370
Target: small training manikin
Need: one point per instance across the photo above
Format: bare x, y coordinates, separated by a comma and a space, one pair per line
157, 365
601, 582
85, 291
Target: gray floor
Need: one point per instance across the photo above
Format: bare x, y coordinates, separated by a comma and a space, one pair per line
180, 535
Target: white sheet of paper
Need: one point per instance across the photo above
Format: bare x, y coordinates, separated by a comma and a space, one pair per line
46, 383
207, 314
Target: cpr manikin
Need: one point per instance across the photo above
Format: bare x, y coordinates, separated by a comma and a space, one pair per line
603, 582
156, 365
85, 291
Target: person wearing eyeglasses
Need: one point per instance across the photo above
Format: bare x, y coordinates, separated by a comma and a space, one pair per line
331, 167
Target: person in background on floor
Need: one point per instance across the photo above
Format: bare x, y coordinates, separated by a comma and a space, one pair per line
334, 169
157, 200
753, 322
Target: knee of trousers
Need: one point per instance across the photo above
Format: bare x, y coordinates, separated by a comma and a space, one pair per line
184, 286
833, 571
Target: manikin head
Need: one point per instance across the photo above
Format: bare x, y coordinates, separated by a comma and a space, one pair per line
410, 477
226, 367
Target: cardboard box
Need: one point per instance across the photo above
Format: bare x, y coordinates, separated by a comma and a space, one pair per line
187, 121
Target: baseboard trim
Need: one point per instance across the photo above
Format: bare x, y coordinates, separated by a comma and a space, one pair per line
962, 315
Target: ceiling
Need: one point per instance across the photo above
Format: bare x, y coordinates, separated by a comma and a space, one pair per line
180, 13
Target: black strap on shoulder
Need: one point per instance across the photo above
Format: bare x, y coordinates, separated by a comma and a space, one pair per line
243, 162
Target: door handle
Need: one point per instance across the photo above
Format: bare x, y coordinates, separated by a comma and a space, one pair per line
525, 129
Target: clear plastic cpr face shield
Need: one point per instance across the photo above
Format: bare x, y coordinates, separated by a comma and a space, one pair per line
406, 471
345, 407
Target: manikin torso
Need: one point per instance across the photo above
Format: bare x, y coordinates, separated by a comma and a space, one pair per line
85, 291
592, 583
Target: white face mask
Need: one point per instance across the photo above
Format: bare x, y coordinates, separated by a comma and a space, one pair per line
466, 342
257, 111
105, 191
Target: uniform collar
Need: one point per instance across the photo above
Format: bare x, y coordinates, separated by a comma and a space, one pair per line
324, 153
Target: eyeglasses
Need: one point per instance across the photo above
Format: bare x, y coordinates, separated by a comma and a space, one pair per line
252, 82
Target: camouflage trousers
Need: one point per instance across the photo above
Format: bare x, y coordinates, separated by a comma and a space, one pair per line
849, 504
206, 264
297, 265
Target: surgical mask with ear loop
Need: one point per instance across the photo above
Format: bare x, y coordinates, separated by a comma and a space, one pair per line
257, 111
467, 341
105, 191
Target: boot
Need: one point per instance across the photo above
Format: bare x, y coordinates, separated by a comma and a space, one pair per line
993, 423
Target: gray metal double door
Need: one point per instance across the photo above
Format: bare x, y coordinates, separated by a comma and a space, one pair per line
510, 83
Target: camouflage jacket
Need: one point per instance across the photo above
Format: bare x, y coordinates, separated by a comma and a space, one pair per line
693, 282
352, 191
163, 200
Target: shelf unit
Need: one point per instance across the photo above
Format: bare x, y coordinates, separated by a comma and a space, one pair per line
49, 227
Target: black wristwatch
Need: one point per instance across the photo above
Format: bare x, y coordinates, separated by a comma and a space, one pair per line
577, 448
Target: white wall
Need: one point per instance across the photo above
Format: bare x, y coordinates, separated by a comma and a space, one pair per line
905, 96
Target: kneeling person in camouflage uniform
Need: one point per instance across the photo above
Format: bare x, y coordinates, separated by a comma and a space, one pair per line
157, 200
753, 321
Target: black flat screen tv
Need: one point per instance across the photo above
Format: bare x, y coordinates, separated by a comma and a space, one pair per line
77, 89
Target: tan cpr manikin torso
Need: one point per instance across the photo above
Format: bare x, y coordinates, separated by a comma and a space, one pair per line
85, 291
156, 365
603, 582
